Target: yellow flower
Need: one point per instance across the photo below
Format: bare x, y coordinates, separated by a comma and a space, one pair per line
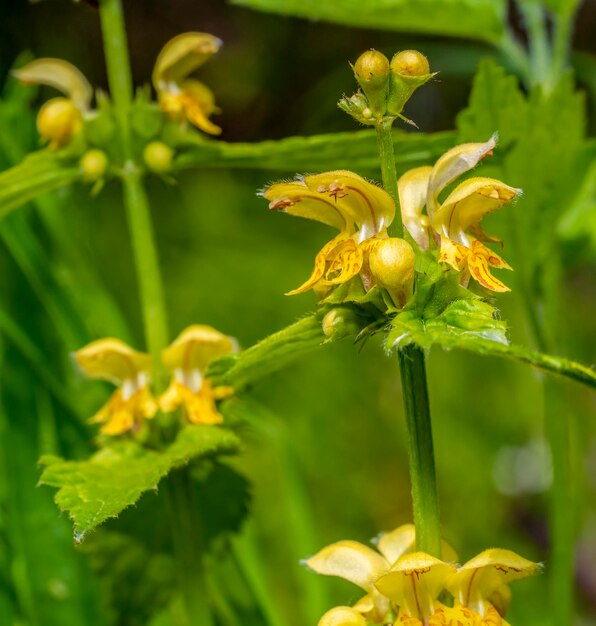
59, 119
456, 220
364, 566
112, 360
179, 96
188, 358
360, 210
483, 581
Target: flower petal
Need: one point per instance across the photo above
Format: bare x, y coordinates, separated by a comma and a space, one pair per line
342, 616
454, 163
350, 560
469, 202
453, 253
61, 75
494, 260
196, 347
365, 204
182, 55
412, 188
343, 262
198, 103
478, 264
296, 199
394, 544
111, 359
484, 575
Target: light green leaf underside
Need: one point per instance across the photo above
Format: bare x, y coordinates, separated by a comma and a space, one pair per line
269, 355
471, 325
114, 478
476, 19
353, 150
40, 172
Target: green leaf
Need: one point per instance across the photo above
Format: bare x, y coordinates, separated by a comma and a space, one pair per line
269, 355
475, 19
40, 172
355, 151
99, 488
473, 325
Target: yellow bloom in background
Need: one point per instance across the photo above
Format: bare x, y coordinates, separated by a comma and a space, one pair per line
456, 220
181, 97
188, 358
360, 210
59, 119
132, 403
364, 566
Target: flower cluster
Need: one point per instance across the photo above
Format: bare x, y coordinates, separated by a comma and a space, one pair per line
403, 586
179, 97
187, 358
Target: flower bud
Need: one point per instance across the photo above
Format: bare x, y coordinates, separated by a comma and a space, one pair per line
58, 120
391, 264
357, 106
94, 164
158, 156
409, 70
372, 73
339, 323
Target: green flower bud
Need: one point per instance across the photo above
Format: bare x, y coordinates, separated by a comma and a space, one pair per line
372, 73
391, 264
357, 107
94, 164
409, 70
339, 323
158, 156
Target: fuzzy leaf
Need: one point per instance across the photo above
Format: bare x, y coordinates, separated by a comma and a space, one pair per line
353, 151
476, 19
114, 478
473, 325
269, 355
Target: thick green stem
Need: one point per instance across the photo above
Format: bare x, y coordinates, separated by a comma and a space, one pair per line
387, 158
425, 502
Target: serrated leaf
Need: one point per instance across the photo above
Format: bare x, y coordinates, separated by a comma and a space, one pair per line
113, 479
473, 325
475, 19
269, 355
355, 151
40, 172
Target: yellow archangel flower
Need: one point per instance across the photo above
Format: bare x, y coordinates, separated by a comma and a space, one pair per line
181, 97
188, 358
363, 566
360, 210
456, 220
59, 119
132, 402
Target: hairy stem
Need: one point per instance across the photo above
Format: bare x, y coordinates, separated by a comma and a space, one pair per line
425, 501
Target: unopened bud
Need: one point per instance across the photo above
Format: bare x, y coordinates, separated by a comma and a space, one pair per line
372, 72
94, 164
158, 156
391, 264
58, 120
340, 322
409, 70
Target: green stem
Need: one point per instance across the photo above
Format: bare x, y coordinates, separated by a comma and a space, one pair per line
516, 55
425, 501
387, 158
562, 40
540, 54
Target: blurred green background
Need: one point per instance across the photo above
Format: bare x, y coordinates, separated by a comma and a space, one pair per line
326, 459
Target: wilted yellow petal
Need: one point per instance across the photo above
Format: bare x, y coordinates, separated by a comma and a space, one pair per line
366, 204
111, 359
182, 55
296, 199
413, 188
414, 582
469, 202
196, 347
452, 164
350, 560
61, 75
342, 616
